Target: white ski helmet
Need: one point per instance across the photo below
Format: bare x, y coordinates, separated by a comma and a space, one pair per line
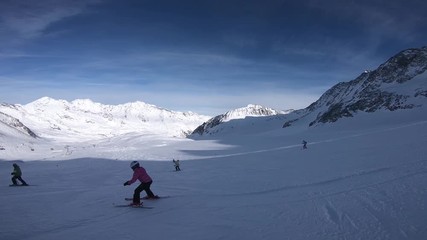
134, 164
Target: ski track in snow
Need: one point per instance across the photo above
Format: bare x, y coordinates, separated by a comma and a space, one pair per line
315, 142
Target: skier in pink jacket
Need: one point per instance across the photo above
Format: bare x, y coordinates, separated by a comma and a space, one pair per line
140, 174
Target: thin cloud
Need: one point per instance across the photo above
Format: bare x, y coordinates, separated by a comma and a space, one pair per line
23, 20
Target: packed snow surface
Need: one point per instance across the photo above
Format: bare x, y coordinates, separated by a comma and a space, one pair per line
360, 178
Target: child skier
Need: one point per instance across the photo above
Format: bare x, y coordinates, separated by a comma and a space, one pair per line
17, 174
140, 174
176, 162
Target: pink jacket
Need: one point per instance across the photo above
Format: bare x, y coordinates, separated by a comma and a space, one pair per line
141, 175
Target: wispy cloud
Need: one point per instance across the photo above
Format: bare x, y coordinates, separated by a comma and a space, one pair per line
14, 54
23, 20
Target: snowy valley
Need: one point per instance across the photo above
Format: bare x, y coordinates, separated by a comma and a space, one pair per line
244, 174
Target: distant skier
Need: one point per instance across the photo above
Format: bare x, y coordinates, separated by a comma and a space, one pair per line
176, 162
17, 174
140, 174
304, 144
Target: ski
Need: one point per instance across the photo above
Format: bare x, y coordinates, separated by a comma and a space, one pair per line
131, 206
19, 185
145, 198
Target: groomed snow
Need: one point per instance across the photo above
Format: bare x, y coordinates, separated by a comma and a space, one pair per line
360, 178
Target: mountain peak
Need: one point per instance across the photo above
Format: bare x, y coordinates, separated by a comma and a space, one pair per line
82, 102
45, 101
251, 110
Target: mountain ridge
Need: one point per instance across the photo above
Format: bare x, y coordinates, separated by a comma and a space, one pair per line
399, 83
15, 124
86, 118
251, 110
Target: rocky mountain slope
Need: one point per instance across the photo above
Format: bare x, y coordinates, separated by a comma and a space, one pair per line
14, 125
399, 83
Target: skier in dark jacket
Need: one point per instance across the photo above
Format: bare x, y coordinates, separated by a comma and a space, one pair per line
304, 144
17, 174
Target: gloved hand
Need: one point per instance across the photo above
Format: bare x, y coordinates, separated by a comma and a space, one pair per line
11, 173
126, 183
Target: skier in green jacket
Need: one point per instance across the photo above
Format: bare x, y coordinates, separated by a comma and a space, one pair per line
17, 174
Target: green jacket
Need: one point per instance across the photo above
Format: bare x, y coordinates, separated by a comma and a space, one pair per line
16, 171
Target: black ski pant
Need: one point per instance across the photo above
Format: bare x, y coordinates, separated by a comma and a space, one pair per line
142, 187
19, 178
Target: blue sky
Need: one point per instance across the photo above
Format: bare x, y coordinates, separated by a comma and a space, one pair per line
202, 56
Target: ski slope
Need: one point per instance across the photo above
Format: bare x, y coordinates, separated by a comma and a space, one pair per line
360, 178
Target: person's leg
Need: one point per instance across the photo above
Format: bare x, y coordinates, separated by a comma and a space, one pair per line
136, 194
14, 180
22, 181
147, 189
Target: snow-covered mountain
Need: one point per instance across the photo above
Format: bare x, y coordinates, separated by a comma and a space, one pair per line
84, 119
13, 126
400, 83
252, 110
